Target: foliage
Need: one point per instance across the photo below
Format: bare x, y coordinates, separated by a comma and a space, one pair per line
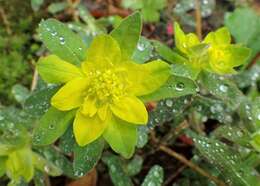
110, 100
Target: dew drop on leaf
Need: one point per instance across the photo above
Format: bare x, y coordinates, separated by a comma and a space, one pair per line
169, 103
62, 40
179, 86
223, 88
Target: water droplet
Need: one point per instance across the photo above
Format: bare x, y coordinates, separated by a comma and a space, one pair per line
62, 40
223, 88
141, 47
54, 33
179, 86
46, 169
258, 116
169, 103
51, 126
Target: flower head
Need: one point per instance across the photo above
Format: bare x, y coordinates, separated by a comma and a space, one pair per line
105, 91
215, 53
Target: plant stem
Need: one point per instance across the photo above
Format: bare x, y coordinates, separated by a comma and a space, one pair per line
198, 19
34, 80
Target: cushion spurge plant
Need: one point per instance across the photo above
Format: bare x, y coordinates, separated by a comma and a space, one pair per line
105, 91
215, 53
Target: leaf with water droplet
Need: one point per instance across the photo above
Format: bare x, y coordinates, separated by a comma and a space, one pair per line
20, 93
67, 141
143, 52
51, 126
53, 155
85, 158
222, 88
39, 101
154, 176
64, 43
46, 166
134, 166
174, 87
226, 160
116, 171
142, 134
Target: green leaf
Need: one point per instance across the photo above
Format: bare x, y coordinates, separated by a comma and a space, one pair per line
222, 89
174, 87
142, 136
53, 155
256, 112
2, 165
154, 176
51, 126
36, 4
127, 34
185, 71
134, 166
54, 70
121, 136
57, 7
242, 34
20, 93
60, 40
39, 101
67, 141
20, 164
13, 136
143, 52
116, 171
168, 54
228, 162
46, 166
85, 158
233, 134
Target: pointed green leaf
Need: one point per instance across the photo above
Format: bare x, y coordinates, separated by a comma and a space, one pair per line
67, 141
2, 165
54, 70
20, 93
174, 87
121, 136
51, 126
168, 54
134, 166
85, 158
39, 101
46, 166
20, 164
154, 176
61, 41
127, 34
116, 171
222, 89
228, 162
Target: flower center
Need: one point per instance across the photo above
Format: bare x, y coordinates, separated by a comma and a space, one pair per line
106, 85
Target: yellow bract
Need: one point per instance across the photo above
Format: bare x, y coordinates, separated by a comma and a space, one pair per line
103, 89
215, 53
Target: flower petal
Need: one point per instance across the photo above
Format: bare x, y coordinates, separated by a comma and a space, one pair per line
104, 49
121, 136
87, 129
70, 96
183, 41
103, 112
130, 109
219, 37
89, 107
146, 78
54, 70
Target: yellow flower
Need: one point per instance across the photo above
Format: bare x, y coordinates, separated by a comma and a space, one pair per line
105, 90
